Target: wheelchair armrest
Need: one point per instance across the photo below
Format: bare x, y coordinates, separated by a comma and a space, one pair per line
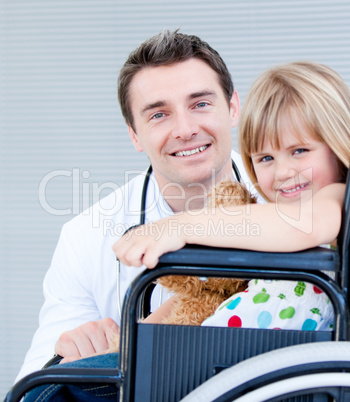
317, 259
63, 375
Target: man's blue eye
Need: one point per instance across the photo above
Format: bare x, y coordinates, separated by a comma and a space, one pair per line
157, 115
201, 104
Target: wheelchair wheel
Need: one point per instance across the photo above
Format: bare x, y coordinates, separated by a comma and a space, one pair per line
308, 369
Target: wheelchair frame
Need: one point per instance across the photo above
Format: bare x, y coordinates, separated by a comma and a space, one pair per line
167, 362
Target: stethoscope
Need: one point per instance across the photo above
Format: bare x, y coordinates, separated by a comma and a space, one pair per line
143, 220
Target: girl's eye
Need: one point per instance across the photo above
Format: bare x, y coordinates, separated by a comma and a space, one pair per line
266, 158
299, 151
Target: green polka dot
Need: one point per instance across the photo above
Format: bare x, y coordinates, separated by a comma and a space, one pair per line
262, 297
300, 288
315, 311
287, 313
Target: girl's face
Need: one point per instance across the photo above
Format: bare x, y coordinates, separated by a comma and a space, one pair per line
300, 165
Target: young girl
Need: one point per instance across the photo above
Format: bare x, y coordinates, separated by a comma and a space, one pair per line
295, 143
288, 96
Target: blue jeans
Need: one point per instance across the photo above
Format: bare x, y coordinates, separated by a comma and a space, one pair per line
79, 392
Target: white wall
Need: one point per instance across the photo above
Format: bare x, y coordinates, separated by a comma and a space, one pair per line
59, 61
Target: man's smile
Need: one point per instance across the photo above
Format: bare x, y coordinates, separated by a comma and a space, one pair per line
192, 151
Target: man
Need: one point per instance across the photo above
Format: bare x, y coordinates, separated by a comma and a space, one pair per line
178, 101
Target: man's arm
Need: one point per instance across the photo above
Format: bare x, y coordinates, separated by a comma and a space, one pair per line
96, 338
69, 303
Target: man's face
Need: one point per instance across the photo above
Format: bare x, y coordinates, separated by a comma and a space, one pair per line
183, 122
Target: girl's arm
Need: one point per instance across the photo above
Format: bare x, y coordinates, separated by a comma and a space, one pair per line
283, 227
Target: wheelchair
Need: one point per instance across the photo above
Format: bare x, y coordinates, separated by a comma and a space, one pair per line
172, 363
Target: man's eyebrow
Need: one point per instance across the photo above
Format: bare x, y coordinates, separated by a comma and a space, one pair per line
154, 105
199, 94
163, 103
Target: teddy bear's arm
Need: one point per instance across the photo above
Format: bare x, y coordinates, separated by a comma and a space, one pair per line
162, 312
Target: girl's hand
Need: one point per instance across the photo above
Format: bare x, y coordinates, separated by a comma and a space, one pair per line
144, 244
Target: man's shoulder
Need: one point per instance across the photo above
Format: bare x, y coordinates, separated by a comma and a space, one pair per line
117, 207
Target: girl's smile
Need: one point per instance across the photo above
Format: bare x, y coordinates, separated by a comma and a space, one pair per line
294, 190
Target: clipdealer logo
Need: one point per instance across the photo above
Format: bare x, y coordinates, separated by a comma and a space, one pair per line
83, 194
176, 228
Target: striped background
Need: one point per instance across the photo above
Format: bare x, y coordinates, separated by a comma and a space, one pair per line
59, 61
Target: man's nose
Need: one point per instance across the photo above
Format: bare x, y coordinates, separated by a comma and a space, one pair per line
184, 126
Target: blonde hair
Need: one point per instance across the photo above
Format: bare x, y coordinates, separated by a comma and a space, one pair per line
315, 92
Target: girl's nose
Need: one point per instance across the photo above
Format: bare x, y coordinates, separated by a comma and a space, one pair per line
284, 170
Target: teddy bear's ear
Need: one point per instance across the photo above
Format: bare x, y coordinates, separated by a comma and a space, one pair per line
230, 192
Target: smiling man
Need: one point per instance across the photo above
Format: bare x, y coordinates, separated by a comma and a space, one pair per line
179, 104
183, 121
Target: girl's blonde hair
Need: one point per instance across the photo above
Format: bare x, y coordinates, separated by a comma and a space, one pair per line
315, 92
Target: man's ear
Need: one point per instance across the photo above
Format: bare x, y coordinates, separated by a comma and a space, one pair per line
135, 139
234, 109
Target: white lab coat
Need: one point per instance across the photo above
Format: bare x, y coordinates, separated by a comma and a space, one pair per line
81, 283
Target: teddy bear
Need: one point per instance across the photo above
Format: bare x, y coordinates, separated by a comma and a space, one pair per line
198, 298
